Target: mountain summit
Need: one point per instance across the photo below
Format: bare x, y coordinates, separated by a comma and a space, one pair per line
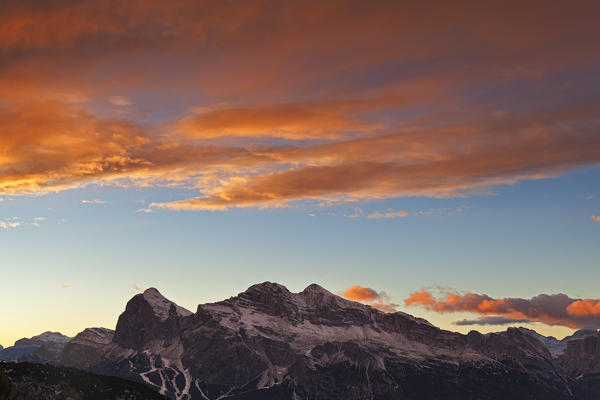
148, 315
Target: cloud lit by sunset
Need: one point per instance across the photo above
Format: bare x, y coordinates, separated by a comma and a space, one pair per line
262, 135
551, 309
369, 297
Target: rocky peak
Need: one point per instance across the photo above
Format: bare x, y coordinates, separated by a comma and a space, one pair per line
147, 316
317, 294
161, 306
262, 291
269, 298
314, 288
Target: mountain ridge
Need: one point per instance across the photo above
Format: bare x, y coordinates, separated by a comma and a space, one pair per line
270, 343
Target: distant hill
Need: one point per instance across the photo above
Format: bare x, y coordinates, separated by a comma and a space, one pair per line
44, 348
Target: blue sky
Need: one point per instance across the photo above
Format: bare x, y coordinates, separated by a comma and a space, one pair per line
531, 237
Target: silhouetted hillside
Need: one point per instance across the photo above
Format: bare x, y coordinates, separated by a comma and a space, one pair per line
45, 382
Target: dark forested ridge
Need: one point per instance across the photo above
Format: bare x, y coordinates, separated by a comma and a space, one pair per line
29, 381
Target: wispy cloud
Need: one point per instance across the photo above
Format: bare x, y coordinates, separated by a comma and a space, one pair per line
120, 101
595, 218
36, 221
356, 212
95, 201
137, 288
9, 224
65, 286
443, 210
388, 214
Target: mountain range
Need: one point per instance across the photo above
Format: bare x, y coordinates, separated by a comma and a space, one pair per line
270, 343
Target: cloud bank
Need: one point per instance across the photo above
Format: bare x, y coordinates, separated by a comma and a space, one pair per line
551, 309
268, 103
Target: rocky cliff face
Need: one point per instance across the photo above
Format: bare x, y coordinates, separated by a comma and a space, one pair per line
582, 356
581, 361
269, 343
555, 346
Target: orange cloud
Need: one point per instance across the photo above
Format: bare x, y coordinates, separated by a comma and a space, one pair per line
51, 146
585, 308
137, 288
422, 297
359, 293
302, 100
428, 162
596, 218
285, 121
554, 309
370, 297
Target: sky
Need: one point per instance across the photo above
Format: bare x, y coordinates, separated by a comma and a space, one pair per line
440, 159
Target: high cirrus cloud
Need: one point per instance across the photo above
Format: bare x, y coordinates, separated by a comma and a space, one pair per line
427, 162
268, 103
285, 121
51, 146
551, 309
369, 296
